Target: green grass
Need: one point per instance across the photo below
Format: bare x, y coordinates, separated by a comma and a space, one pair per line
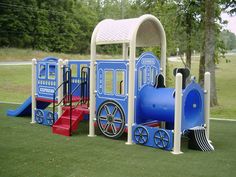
32, 150
15, 83
15, 54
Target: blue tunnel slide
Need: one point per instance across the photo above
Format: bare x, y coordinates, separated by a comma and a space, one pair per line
25, 108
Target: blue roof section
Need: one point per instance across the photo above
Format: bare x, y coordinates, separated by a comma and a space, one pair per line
50, 59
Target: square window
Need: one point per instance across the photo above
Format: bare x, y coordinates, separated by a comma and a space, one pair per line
73, 68
51, 72
108, 82
42, 71
120, 82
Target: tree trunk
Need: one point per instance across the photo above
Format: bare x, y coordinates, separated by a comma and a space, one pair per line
202, 65
189, 40
210, 46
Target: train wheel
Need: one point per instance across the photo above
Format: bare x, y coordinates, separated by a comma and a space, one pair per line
39, 116
50, 118
161, 138
141, 135
111, 119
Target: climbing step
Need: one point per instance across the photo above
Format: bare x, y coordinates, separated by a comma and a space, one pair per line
62, 125
198, 139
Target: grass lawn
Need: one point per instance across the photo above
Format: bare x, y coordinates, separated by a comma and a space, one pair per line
16, 54
32, 150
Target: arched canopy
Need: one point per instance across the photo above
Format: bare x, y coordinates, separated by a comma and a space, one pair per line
145, 31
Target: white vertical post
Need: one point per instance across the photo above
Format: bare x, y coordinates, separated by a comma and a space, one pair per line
60, 90
163, 53
34, 104
207, 87
178, 114
125, 51
131, 91
92, 100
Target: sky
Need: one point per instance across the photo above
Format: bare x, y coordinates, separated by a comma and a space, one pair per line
231, 26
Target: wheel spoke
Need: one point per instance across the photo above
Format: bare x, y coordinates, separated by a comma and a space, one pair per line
139, 139
162, 142
165, 139
103, 117
114, 111
117, 120
107, 109
113, 127
144, 140
106, 127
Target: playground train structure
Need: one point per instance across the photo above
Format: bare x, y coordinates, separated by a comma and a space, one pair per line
127, 95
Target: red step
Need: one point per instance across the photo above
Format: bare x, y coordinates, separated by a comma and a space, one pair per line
62, 125
79, 108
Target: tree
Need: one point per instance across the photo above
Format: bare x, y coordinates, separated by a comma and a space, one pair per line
188, 22
209, 51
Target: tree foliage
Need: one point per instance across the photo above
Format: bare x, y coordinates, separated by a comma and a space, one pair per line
61, 25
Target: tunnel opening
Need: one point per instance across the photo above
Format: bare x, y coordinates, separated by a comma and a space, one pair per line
193, 107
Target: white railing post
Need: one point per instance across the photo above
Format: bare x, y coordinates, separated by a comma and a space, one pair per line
60, 90
207, 91
34, 104
178, 114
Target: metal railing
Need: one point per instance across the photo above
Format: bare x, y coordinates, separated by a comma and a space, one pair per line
67, 98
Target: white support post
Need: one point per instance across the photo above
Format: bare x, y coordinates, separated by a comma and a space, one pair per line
34, 103
131, 91
92, 100
60, 90
163, 53
125, 51
207, 87
178, 114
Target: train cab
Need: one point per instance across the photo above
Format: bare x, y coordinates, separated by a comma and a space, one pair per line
112, 90
47, 78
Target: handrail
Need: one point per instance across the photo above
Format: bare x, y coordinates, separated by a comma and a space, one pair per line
121, 86
68, 81
85, 75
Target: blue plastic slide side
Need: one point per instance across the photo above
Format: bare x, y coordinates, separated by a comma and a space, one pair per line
25, 108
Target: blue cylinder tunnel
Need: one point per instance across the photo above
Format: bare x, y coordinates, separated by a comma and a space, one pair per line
159, 104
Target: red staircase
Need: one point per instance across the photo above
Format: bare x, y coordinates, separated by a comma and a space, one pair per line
62, 125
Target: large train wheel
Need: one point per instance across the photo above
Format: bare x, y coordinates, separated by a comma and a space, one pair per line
141, 135
161, 138
50, 118
111, 119
39, 116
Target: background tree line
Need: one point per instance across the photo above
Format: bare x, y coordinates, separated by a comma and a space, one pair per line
67, 25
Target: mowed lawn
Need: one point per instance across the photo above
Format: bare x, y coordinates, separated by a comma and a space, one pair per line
32, 150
